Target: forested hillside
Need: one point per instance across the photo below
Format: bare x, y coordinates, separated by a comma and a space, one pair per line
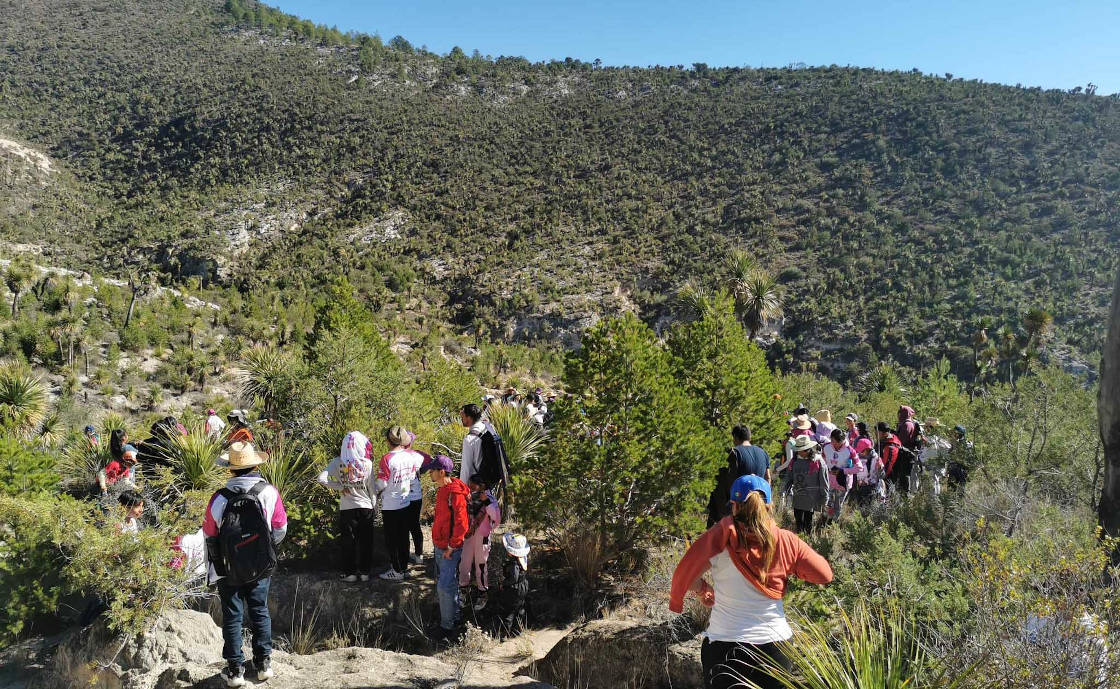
244, 147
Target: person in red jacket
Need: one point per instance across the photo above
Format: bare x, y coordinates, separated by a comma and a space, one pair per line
750, 559
897, 464
449, 528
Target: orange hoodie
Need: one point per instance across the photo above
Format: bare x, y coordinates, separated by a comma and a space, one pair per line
791, 556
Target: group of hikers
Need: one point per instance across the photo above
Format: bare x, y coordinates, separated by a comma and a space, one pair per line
823, 467
749, 558
245, 521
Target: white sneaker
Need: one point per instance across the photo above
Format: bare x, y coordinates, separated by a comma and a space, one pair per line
264, 670
364, 577
392, 575
416, 559
350, 578
234, 676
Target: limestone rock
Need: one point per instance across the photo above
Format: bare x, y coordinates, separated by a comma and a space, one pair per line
179, 636
612, 653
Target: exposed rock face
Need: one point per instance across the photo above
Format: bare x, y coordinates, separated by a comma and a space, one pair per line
184, 649
612, 653
1108, 405
180, 636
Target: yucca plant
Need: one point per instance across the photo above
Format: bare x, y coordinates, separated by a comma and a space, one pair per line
264, 374
870, 648
111, 422
80, 461
50, 430
194, 460
521, 437
23, 401
290, 468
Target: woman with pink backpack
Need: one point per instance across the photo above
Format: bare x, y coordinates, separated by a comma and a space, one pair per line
351, 474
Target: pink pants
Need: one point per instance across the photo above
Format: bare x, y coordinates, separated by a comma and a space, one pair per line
476, 553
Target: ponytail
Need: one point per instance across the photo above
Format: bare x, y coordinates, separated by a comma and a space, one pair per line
752, 526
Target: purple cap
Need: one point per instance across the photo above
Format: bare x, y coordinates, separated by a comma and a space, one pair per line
438, 462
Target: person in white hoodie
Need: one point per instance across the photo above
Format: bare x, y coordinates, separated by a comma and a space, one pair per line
351, 474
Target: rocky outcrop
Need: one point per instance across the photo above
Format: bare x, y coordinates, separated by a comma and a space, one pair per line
1108, 406
613, 653
183, 649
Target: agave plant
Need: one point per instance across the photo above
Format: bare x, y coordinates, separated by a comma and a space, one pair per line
522, 438
23, 401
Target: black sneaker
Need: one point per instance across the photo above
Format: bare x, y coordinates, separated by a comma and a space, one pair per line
234, 675
264, 669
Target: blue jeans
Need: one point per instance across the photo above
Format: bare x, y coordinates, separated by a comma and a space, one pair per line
234, 601
447, 586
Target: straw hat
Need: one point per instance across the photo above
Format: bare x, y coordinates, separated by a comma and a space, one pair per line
399, 436
803, 442
242, 456
801, 421
824, 416
932, 422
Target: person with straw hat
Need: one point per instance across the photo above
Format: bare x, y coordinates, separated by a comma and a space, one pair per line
808, 476
244, 522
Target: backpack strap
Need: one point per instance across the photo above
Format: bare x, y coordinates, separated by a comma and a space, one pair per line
257, 489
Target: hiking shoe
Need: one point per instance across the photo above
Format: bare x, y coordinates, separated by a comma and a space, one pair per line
349, 578
416, 559
392, 575
234, 675
264, 669
364, 577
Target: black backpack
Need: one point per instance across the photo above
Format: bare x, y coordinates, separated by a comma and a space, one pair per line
493, 465
245, 537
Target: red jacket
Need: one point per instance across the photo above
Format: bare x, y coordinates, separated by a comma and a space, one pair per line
450, 524
791, 556
889, 455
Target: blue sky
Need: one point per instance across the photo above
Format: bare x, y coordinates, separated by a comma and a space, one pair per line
1048, 43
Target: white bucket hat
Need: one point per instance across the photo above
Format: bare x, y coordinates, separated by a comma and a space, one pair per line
517, 546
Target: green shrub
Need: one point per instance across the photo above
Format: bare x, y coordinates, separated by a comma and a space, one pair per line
24, 470
628, 462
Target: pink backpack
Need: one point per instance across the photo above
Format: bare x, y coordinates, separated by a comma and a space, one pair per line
355, 458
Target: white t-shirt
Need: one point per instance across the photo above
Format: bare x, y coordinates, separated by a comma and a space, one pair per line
741, 613
215, 426
397, 470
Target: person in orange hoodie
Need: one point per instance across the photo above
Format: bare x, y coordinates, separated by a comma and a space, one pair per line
449, 528
751, 560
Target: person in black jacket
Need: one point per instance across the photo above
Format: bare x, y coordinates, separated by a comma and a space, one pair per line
510, 607
155, 451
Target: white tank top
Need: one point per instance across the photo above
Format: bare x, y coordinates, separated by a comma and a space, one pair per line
742, 613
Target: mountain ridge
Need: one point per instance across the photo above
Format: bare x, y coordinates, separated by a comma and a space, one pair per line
913, 205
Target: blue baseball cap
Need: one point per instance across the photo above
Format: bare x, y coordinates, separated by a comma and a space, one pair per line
747, 484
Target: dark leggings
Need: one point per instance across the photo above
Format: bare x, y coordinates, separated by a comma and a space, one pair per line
396, 537
414, 526
803, 520
356, 526
729, 665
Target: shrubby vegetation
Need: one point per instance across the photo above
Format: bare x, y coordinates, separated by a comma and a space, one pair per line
917, 209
